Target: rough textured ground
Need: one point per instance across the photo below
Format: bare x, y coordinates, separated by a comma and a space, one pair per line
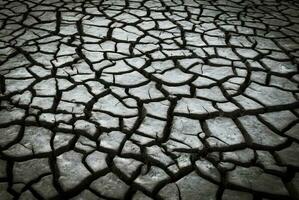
156, 99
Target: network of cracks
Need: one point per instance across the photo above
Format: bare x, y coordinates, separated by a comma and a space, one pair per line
149, 99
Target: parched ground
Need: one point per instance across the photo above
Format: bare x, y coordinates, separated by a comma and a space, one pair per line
153, 99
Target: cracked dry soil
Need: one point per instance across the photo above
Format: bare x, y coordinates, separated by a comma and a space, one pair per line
149, 99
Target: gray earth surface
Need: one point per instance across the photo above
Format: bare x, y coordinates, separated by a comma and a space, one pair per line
149, 99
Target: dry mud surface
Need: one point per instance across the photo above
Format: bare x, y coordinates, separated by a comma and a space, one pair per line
153, 99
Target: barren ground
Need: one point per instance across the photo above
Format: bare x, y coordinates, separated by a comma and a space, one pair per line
155, 99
